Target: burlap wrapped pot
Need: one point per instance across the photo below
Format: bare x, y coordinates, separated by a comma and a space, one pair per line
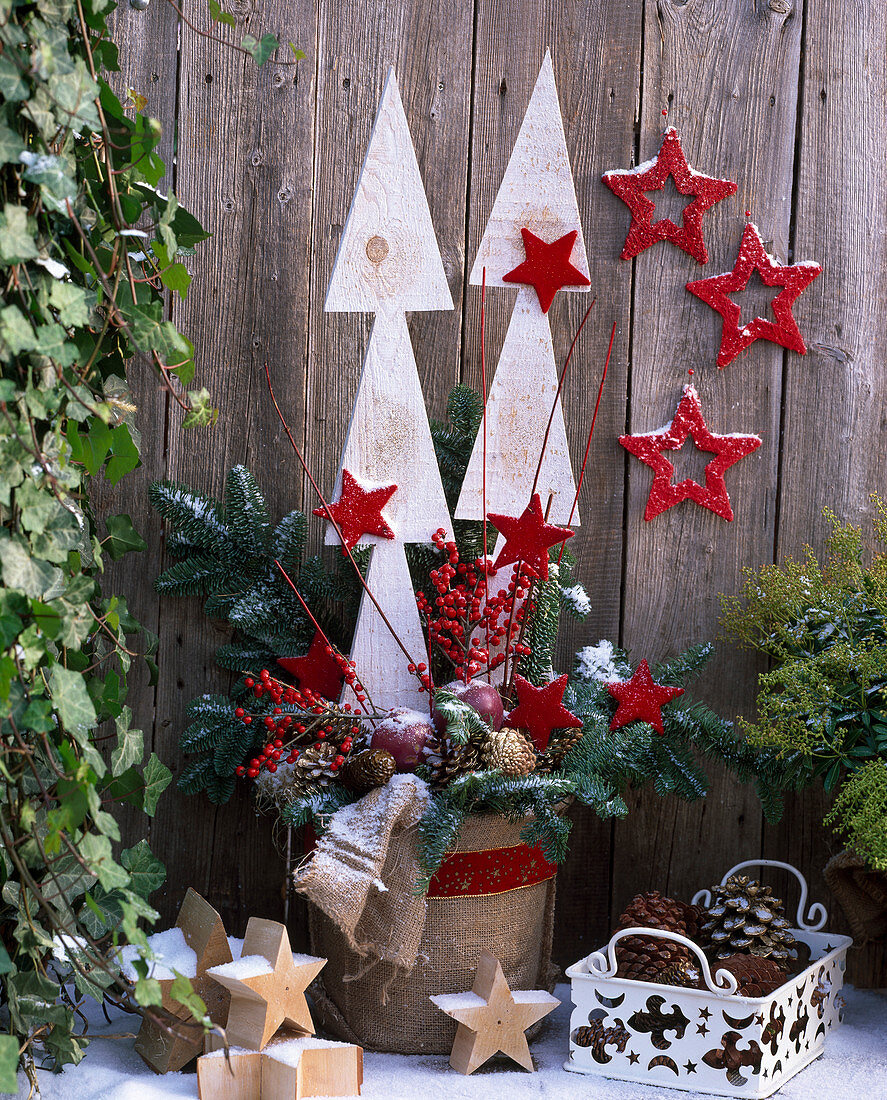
385, 1008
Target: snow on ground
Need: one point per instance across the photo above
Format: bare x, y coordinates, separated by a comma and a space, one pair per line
853, 1067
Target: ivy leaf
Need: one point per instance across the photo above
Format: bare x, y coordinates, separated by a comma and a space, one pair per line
183, 992
146, 872
260, 49
176, 277
130, 744
122, 537
97, 852
72, 700
298, 54
17, 242
219, 15
9, 1064
202, 413
72, 302
30, 575
15, 331
157, 777
124, 454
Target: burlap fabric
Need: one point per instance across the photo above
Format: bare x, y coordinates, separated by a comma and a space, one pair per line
384, 1005
862, 894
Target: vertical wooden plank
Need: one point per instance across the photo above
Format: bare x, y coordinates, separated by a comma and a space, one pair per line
595, 48
726, 75
834, 440
244, 167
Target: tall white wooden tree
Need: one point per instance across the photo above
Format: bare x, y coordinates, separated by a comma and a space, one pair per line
389, 263
536, 194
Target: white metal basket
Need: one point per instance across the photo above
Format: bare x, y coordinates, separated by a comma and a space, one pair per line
708, 1040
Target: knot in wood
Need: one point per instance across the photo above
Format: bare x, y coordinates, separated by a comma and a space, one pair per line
782, 7
377, 249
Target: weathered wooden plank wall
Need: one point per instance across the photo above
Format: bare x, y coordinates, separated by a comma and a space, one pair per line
776, 95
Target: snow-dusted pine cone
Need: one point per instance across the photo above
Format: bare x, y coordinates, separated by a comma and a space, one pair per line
366, 770
312, 770
744, 917
447, 760
509, 751
684, 972
644, 958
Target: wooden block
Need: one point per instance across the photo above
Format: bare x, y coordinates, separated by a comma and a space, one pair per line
239, 1077
491, 1018
291, 1067
204, 933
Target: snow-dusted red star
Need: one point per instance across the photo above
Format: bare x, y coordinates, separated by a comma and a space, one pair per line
527, 538
631, 183
317, 670
793, 278
641, 699
688, 421
547, 266
358, 511
541, 710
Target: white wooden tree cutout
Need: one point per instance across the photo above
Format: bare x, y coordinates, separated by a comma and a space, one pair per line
389, 262
536, 193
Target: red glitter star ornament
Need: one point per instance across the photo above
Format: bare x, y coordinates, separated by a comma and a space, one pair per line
358, 511
641, 699
527, 538
547, 267
317, 670
793, 278
688, 421
631, 183
541, 710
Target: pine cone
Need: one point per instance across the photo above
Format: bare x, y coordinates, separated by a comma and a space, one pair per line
683, 972
757, 976
366, 770
312, 770
585, 1036
644, 958
509, 752
746, 918
553, 757
447, 760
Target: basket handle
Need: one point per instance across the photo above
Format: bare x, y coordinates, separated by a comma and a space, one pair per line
816, 915
602, 964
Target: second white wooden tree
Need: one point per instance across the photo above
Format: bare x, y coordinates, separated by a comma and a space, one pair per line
389, 263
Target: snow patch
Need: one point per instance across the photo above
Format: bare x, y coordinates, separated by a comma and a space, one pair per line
600, 662
248, 966
578, 599
171, 954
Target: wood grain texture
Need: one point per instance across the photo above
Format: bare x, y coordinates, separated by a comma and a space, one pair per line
834, 445
726, 76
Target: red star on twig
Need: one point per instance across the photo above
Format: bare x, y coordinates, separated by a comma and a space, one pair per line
317, 670
688, 420
527, 538
631, 183
541, 710
793, 278
358, 511
641, 699
547, 266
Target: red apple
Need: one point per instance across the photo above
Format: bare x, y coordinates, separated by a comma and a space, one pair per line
480, 695
403, 733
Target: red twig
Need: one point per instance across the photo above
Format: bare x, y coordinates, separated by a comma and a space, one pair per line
336, 527
557, 395
483, 384
597, 405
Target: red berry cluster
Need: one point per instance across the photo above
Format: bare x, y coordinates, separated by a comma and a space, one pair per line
460, 616
349, 673
313, 721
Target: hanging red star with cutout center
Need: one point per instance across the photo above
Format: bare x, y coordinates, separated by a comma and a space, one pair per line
631, 183
317, 670
358, 511
527, 538
641, 699
547, 267
688, 421
541, 710
793, 278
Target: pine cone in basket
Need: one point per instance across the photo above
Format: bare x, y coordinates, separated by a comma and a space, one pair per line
643, 958
363, 771
746, 918
757, 976
683, 972
509, 751
447, 760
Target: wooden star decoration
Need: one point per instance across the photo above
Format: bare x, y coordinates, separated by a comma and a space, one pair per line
267, 986
541, 710
204, 933
547, 267
641, 699
629, 184
492, 1019
317, 670
358, 511
689, 422
793, 278
527, 538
